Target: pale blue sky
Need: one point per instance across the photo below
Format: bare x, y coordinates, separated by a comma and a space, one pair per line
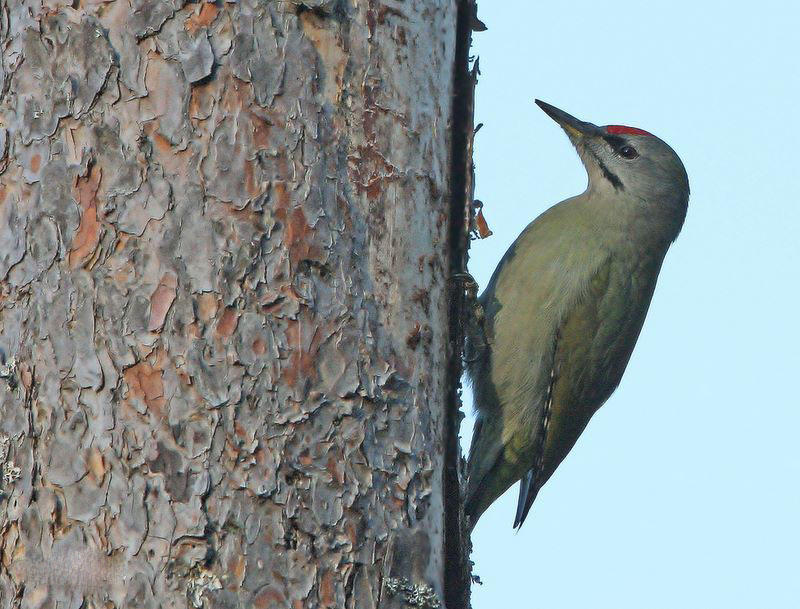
684, 491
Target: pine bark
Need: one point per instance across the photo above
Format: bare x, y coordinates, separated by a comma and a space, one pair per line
226, 237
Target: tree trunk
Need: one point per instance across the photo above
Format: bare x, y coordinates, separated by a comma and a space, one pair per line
228, 334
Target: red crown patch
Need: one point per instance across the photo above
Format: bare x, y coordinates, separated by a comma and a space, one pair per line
623, 130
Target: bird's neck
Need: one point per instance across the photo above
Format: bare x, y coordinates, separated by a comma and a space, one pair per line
619, 217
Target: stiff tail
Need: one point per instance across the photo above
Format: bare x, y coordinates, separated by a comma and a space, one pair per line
491, 470
528, 489
485, 452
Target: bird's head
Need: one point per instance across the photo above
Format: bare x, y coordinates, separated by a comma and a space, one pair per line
629, 162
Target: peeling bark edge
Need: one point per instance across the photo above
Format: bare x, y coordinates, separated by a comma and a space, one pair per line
457, 569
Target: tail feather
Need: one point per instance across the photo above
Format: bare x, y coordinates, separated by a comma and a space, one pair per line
485, 452
528, 489
491, 470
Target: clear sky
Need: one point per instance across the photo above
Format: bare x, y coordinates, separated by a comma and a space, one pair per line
684, 491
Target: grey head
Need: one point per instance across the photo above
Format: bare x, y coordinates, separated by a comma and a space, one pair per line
629, 164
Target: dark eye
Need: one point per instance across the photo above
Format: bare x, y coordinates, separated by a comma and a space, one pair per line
628, 152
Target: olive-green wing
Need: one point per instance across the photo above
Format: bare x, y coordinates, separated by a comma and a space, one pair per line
593, 346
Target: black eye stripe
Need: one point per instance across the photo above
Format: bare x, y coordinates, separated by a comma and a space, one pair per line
619, 144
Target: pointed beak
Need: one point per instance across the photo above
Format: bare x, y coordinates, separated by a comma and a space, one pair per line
575, 129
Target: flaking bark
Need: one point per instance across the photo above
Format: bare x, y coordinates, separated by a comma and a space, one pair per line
224, 262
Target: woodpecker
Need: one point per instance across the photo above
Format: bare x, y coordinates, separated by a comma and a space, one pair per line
563, 309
